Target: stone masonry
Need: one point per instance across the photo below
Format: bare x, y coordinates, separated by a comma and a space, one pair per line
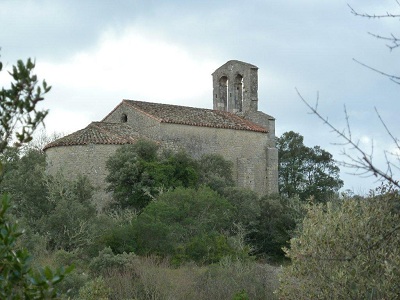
234, 128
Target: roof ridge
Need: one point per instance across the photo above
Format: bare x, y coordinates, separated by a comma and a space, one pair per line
141, 110
166, 113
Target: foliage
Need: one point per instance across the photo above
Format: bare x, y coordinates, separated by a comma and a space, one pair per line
71, 223
18, 280
107, 260
275, 225
95, 289
137, 173
120, 239
215, 172
246, 205
207, 248
232, 277
18, 112
8, 158
19, 118
181, 218
24, 179
242, 295
306, 171
151, 278
183, 170
347, 250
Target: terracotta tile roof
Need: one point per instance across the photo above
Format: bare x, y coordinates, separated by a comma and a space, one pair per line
166, 113
98, 133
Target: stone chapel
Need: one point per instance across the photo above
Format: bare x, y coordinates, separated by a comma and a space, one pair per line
234, 128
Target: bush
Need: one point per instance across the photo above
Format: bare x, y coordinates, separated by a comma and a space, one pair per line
24, 180
155, 278
63, 229
208, 248
273, 227
234, 278
18, 279
95, 289
108, 260
246, 205
137, 173
348, 250
215, 172
181, 217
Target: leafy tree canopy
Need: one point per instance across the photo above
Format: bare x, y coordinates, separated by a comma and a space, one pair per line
18, 112
182, 218
274, 225
139, 172
307, 172
19, 118
215, 172
18, 279
30, 199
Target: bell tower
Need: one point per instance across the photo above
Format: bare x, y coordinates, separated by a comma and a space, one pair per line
235, 87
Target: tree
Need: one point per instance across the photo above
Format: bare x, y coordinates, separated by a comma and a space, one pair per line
19, 116
275, 225
215, 172
18, 112
63, 229
361, 160
183, 220
306, 171
245, 203
137, 173
18, 279
349, 249
30, 200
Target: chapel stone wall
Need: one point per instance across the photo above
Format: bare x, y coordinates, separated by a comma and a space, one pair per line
87, 160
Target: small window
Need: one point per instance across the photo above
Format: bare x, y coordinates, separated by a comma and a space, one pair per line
124, 118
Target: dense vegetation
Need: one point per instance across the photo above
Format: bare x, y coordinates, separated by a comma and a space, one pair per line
178, 228
201, 241
304, 171
205, 230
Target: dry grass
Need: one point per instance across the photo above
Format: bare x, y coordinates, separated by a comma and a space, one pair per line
152, 278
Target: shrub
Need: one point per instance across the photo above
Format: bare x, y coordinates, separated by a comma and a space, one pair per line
215, 172
107, 260
95, 289
246, 205
231, 277
63, 229
137, 173
348, 250
181, 217
208, 248
274, 225
18, 279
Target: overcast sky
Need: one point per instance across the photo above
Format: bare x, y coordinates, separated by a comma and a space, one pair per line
96, 53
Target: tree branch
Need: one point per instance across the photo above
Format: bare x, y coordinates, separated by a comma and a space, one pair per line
362, 162
373, 16
395, 79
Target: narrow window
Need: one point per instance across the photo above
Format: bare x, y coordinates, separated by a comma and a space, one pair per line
223, 92
124, 118
238, 98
